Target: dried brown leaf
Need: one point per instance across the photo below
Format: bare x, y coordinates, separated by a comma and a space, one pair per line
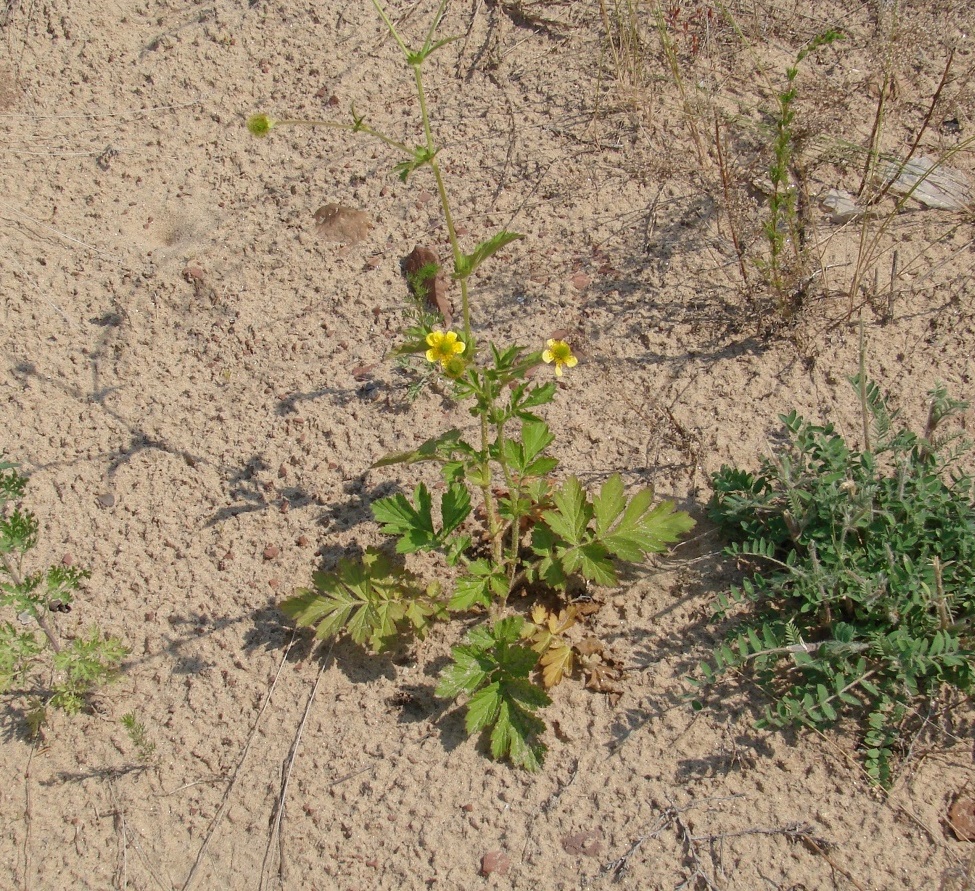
432, 289
335, 222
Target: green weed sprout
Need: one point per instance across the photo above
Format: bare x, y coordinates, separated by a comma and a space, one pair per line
50, 673
782, 228
862, 599
139, 736
527, 535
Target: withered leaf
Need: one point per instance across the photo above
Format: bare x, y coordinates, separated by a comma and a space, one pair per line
336, 222
426, 285
556, 663
961, 817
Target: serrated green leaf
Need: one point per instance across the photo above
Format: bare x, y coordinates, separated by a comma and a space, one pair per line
593, 561
608, 504
412, 524
465, 674
365, 596
645, 530
484, 708
536, 437
478, 587
455, 506
540, 395
573, 513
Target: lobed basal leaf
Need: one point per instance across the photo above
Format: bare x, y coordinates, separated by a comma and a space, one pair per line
368, 597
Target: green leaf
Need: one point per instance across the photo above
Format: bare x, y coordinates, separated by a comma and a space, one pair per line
641, 529
593, 561
441, 448
573, 513
455, 506
467, 263
483, 709
478, 587
413, 525
367, 597
515, 735
492, 666
469, 670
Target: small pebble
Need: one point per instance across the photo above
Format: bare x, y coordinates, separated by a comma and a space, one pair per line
271, 551
495, 862
580, 281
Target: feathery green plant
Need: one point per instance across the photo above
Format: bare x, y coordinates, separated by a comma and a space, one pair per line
526, 535
59, 675
863, 593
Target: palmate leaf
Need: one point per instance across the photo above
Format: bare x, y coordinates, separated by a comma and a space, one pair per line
625, 530
367, 597
414, 524
631, 530
478, 587
573, 513
492, 666
545, 633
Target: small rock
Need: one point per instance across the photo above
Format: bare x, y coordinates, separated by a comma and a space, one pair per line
589, 843
271, 551
106, 500
580, 281
273, 584
495, 861
67, 560
225, 560
302, 541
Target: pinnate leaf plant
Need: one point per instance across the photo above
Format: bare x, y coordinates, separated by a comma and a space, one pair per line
509, 533
36, 663
860, 598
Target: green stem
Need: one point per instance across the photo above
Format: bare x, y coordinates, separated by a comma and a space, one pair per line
444, 203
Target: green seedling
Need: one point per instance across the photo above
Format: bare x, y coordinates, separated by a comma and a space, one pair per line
783, 227
44, 669
862, 597
507, 531
139, 736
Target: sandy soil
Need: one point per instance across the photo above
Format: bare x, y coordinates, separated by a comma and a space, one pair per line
197, 383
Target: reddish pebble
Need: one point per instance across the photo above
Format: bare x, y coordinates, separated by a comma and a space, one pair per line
271, 551
194, 274
580, 281
467, 808
67, 560
495, 861
302, 541
273, 584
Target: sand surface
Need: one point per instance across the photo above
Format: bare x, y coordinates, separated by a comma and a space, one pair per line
197, 383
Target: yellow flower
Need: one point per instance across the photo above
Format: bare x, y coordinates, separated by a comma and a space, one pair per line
560, 353
444, 345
